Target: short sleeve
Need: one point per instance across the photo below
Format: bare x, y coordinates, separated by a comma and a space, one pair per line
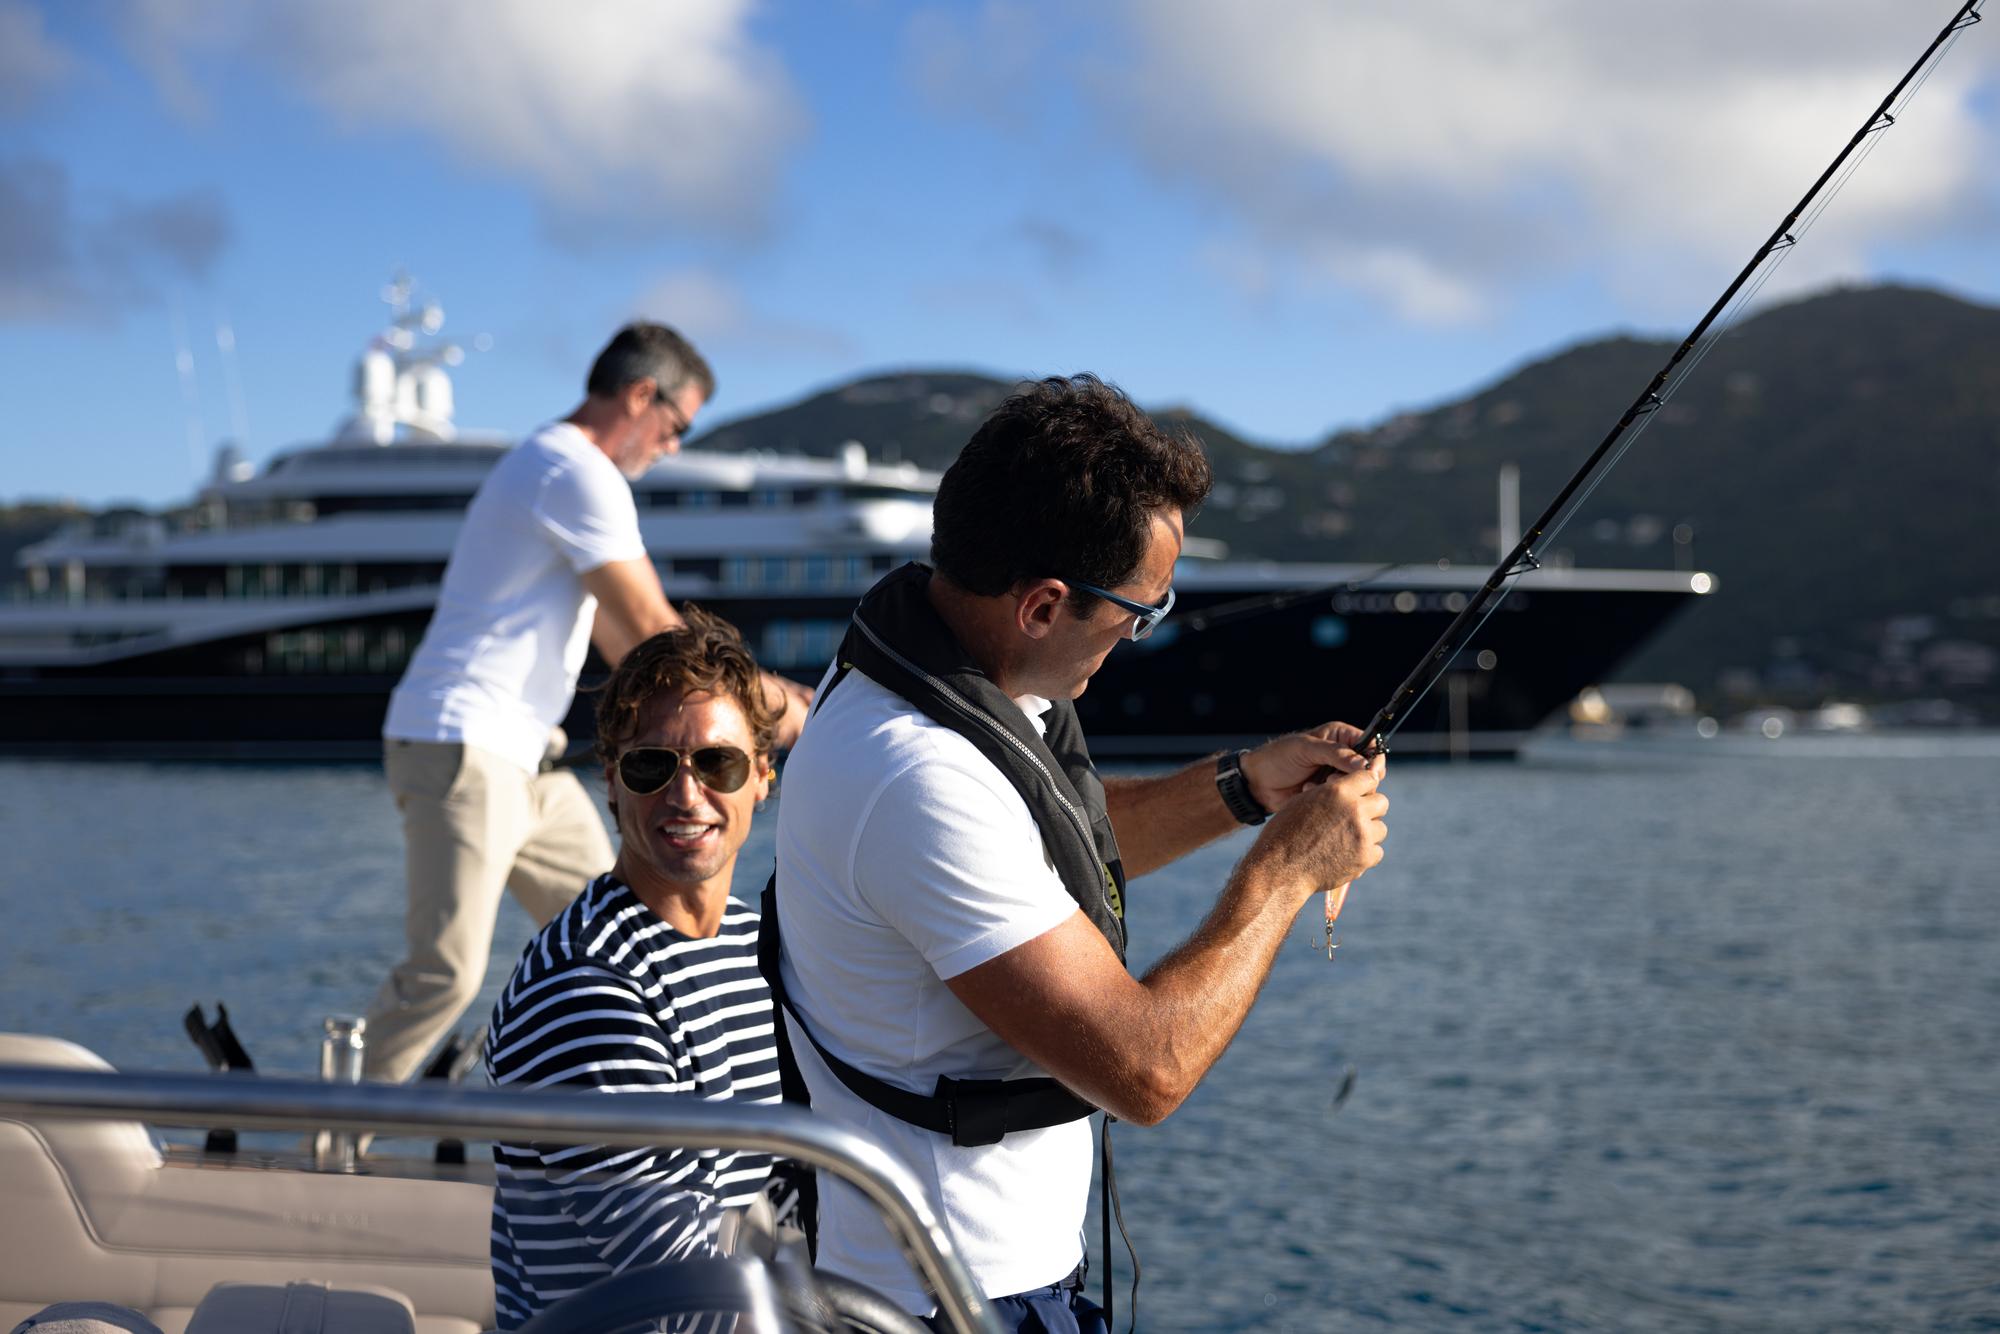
589, 514
955, 864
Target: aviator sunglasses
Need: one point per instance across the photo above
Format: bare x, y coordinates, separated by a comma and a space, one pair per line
644, 770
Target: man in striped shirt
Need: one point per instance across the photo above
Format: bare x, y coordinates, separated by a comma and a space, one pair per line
647, 983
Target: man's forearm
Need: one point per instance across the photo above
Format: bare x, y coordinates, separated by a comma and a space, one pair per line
1136, 1046
617, 631
1158, 820
631, 607
1201, 992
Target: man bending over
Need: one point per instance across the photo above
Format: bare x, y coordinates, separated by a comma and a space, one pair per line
951, 869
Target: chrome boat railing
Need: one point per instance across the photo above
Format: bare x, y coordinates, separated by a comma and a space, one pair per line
249, 1102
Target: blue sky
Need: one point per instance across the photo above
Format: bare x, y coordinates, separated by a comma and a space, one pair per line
1292, 215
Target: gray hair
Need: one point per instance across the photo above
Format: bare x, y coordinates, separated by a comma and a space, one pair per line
653, 352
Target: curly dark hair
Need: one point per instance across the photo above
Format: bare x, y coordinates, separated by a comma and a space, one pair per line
1062, 482
705, 656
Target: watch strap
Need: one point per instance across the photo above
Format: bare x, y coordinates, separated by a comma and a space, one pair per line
1235, 789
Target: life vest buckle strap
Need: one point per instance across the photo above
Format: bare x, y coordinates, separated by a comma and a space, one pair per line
975, 1110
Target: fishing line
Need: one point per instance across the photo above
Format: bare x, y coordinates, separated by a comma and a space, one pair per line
1724, 326
1699, 342
1629, 426
1739, 306
1267, 602
1767, 268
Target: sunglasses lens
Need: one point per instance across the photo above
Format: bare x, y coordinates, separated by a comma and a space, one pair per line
647, 770
722, 768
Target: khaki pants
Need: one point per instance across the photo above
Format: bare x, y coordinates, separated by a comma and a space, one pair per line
473, 825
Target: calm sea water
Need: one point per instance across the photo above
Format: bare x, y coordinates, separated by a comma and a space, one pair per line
1641, 1040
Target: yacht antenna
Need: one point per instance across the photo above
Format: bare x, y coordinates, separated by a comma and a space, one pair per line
402, 389
239, 414
190, 388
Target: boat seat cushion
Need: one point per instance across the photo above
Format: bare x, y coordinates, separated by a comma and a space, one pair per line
301, 1308
94, 1211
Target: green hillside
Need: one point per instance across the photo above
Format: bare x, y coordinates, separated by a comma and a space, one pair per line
1837, 460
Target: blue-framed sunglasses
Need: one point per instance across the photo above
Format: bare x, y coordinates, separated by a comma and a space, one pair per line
1144, 618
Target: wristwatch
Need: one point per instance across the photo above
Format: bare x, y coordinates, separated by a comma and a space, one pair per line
1235, 789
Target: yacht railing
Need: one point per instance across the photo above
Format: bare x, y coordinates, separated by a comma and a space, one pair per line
538, 1116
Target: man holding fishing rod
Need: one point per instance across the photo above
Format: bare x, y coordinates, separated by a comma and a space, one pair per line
951, 869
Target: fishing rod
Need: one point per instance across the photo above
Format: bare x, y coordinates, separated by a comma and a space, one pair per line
1605, 457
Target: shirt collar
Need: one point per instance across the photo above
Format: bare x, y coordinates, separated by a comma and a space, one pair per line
1037, 710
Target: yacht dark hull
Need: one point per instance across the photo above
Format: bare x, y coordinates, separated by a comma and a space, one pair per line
1179, 693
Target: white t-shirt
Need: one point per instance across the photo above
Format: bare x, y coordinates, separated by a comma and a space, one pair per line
498, 666
905, 858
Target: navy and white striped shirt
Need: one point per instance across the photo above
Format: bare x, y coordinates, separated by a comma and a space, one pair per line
610, 997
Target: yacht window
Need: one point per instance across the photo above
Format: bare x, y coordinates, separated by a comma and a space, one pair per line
388, 503
739, 572
735, 500
702, 567
808, 644
335, 650
777, 571
818, 571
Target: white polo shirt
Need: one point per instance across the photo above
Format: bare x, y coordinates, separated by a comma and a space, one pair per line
498, 666
904, 859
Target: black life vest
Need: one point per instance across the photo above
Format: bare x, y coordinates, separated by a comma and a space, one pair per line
898, 641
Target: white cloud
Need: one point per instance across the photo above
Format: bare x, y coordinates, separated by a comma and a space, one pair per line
31, 64
615, 111
1406, 281
66, 257
1436, 154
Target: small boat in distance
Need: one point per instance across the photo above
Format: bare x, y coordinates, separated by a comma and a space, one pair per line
272, 617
